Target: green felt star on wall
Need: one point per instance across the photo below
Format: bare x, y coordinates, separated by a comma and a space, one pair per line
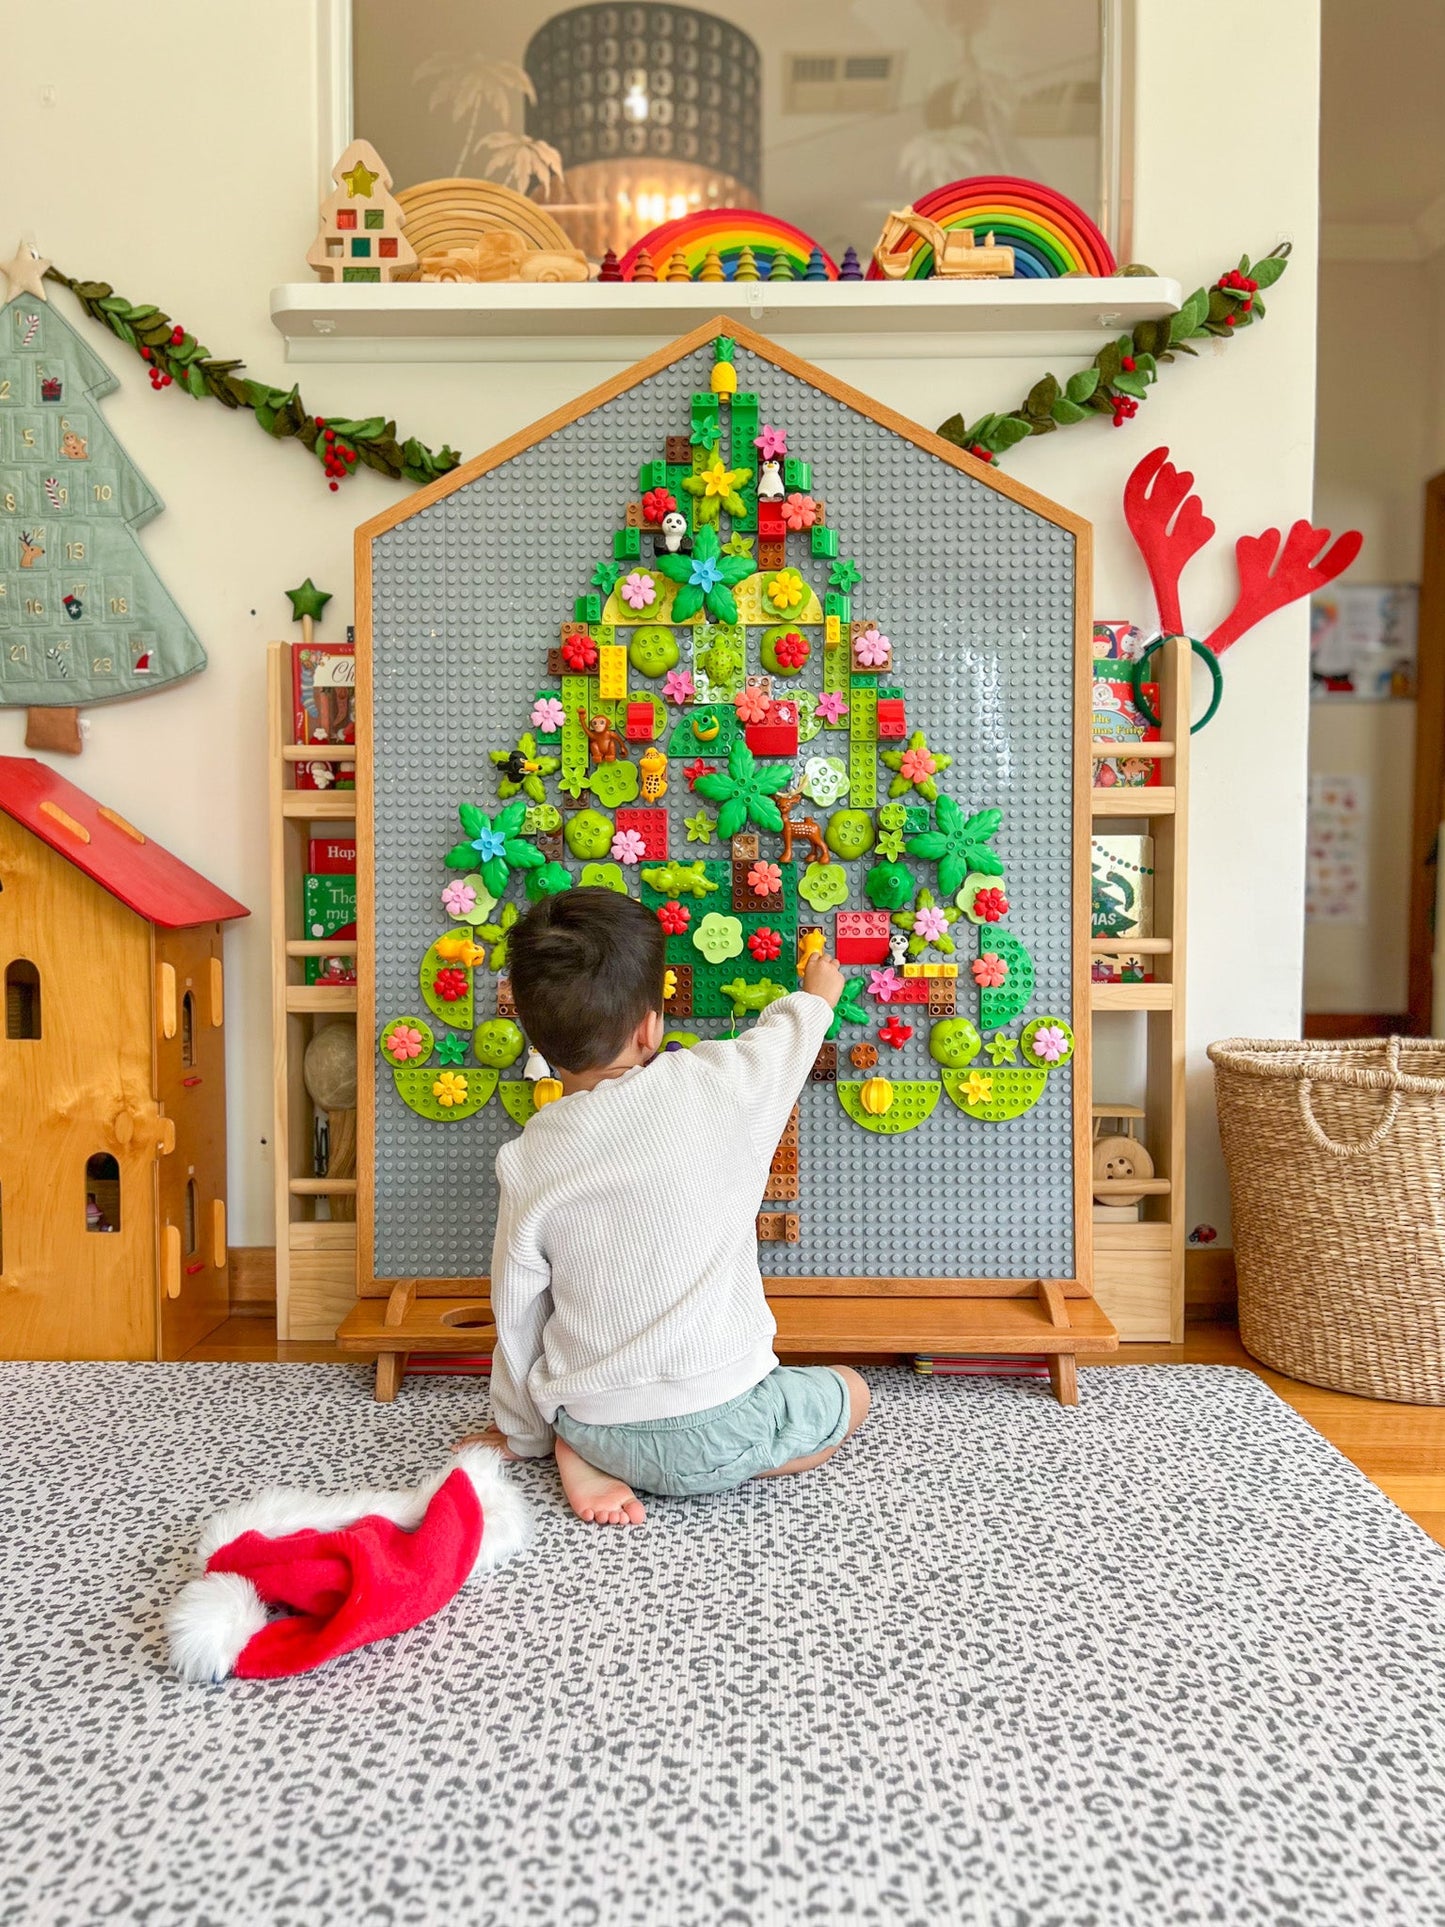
308, 600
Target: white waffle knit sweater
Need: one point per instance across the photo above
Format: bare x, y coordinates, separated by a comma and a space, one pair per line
625, 1281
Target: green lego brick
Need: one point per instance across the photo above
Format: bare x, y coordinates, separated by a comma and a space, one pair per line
862, 712
916, 819
1001, 1006
835, 603
587, 608
708, 978
862, 747
835, 676
652, 475
626, 544
825, 541
576, 698
704, 415
797, 473
865, 681
889, 692
744, 428
547, 738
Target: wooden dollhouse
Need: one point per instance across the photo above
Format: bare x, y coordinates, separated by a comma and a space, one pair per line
112, 1082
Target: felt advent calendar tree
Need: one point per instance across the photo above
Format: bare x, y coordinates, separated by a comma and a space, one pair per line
827, 683
84, 618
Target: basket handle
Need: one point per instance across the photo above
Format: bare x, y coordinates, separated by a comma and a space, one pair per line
1377, 1136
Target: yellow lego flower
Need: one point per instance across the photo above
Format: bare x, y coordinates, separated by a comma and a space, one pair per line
979, 1088
449, 1089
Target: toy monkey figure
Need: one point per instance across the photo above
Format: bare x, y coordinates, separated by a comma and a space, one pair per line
607, 745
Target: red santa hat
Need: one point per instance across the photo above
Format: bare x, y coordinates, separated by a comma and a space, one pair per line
343, 1570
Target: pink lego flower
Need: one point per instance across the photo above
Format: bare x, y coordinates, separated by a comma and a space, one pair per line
404, 1043
765, 879
751, 705
458, 900
831, 706
871, 650
930, 922
547, 714
884, 984
799, 512
989, 971
638, 589
677, 687
628, 846
917, 765
1049, 1044
771, 443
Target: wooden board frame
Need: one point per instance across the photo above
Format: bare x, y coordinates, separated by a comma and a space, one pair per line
369, 1285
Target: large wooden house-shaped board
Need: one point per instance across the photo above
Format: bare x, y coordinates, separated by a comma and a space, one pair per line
112, 1082
843, 687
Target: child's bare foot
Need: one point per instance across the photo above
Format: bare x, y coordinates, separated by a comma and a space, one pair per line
595, 1496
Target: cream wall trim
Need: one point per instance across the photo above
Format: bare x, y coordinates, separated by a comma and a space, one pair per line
334, 104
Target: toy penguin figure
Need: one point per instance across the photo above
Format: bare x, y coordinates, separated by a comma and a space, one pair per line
770, 483
674, 537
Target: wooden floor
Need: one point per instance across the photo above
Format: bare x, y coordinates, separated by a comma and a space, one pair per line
1400, 1447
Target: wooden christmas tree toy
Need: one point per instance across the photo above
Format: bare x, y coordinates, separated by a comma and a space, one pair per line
361, 237
112, 1082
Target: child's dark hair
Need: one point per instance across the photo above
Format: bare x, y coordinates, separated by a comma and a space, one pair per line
586, 968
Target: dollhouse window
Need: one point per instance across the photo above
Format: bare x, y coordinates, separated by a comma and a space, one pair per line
192, 1238
22, 999
102, 1192
188, 1030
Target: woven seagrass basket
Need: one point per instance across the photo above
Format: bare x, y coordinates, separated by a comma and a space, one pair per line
1336, 1159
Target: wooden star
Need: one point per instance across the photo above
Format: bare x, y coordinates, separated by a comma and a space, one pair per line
359, 181
26, 273
308, 600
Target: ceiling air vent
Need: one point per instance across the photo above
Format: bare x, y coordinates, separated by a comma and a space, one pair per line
841, 83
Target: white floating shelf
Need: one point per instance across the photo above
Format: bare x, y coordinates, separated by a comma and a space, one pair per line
528, 321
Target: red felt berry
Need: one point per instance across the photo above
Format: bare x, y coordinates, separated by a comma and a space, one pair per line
330, 435
145, 354
348, 454
165, 381
1231, 321
1128, 363
333, 486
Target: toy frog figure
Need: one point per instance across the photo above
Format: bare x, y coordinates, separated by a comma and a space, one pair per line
652, 768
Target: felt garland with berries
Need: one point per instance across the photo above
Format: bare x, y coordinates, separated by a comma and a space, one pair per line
174, 356
1114, 384
1123, 371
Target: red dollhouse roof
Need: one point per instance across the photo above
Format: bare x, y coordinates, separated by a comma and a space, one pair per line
121, 859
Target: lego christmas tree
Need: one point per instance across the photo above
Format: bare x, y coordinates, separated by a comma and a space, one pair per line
722, 730
84, 618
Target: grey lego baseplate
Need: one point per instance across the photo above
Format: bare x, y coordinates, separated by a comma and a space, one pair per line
977, 594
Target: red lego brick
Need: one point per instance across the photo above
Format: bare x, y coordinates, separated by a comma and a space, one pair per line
914, 991
651, 826
861, 936
891, 718
772, 739
771, 526
639, 725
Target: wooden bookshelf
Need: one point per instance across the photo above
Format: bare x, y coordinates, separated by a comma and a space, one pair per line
1139, 1268
315, 1248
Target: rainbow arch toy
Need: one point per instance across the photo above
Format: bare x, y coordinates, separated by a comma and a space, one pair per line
729, 230
1049, 234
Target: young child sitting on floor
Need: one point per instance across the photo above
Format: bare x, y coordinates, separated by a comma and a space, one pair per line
631, 1321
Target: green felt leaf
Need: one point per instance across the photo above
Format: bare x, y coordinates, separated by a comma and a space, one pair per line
1066, 412
1268, 271
1008, 434
1082, 384
1128, 383
1108, 361
1042, 396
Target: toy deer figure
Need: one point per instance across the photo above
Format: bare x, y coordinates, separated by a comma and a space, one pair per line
1170, 526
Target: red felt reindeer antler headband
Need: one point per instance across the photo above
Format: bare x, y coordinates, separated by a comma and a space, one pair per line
1170, 526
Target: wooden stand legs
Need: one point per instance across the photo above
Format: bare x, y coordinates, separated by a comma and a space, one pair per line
390, 1370
1064, 1377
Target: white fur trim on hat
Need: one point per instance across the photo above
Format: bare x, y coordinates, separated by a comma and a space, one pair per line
506, 1515
211, 1623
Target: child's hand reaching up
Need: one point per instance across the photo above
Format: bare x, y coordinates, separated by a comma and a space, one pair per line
822, 978
490, 1437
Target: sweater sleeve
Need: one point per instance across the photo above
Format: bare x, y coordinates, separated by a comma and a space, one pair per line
521, 1306
774, 1060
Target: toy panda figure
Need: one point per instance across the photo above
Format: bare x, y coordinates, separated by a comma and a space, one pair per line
770, 483
674, 537
898, 948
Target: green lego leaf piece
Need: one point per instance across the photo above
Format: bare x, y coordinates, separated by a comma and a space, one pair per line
517, 1100
549, 881
523, 769
928, 924
958, 846
706, 578
849, 1007
845, 575
496, 841
497, 935
700, 827
914, 1102
451, 1050
1002, 1049
995, 1096
674, 879
745, 792
444, 1096
1001, 1003
604, 876
915, 767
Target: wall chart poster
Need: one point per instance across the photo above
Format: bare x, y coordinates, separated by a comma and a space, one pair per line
735, 639
1335, 864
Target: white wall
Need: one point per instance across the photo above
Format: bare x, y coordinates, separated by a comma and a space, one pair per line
1379, 398
175, 160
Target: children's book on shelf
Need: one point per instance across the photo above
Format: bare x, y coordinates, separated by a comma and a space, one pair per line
329, 910
332, 856
1117, 715
323, 689
1121, 893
